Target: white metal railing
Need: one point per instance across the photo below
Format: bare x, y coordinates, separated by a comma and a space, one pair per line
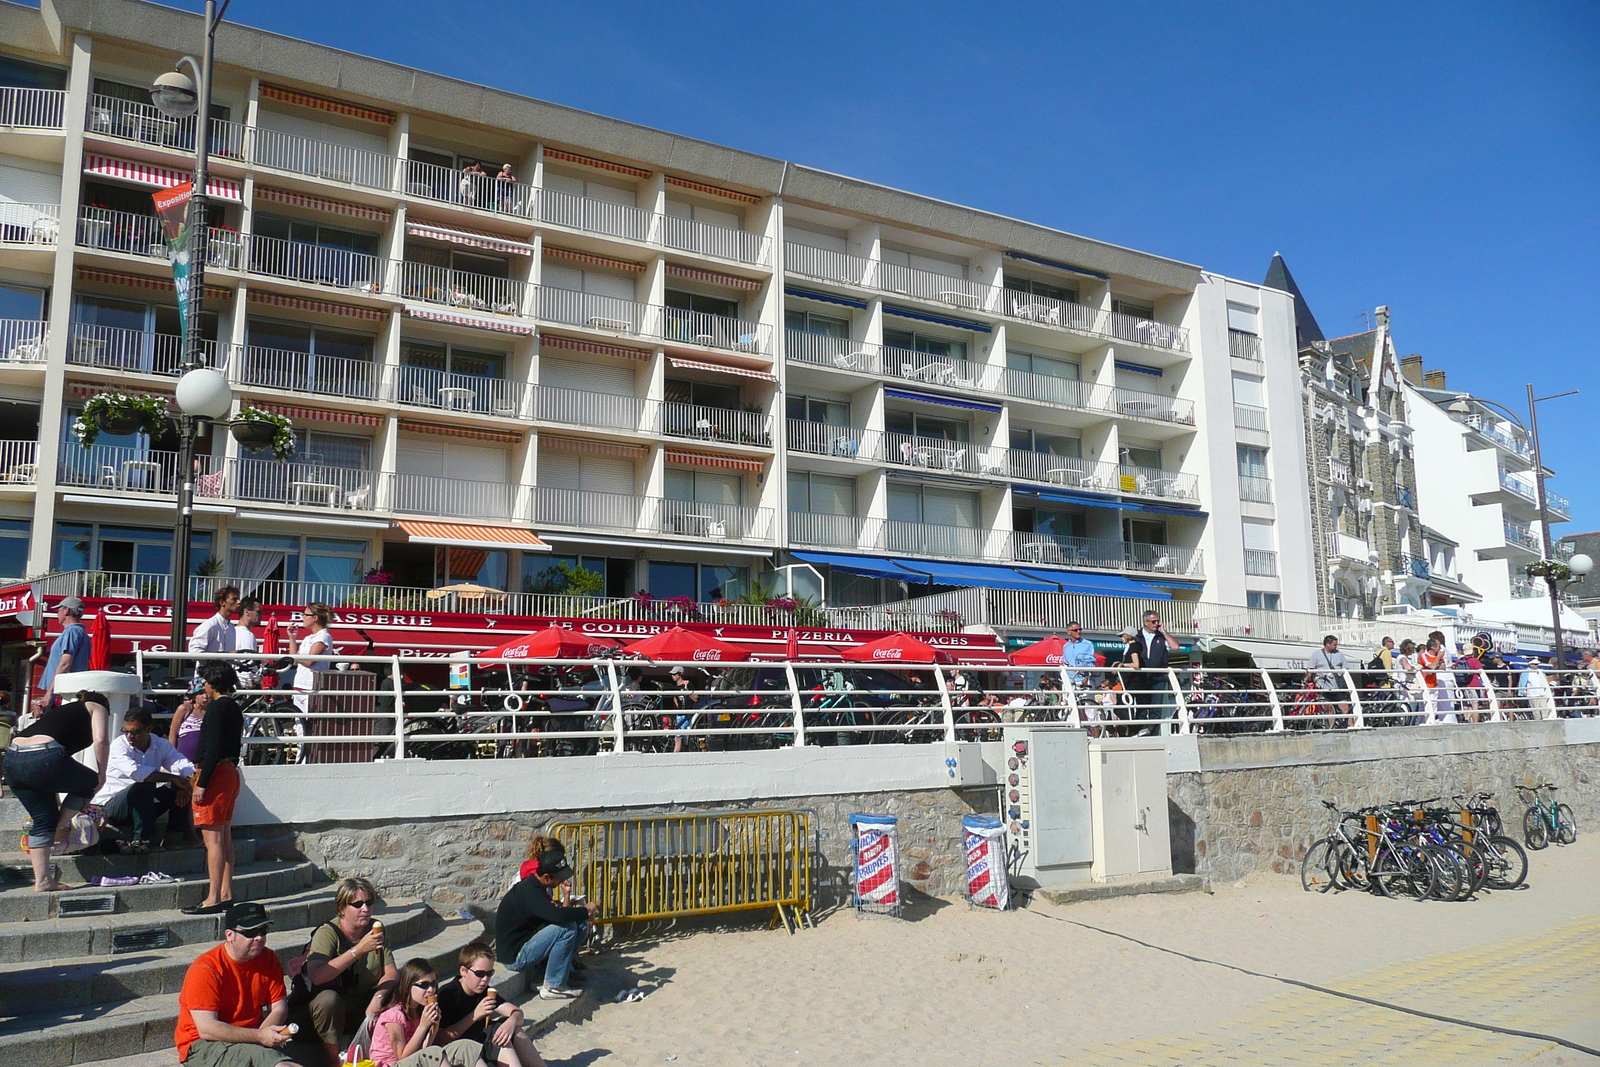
594, 216
321, 159
459, 288
722, 425
932, 369
1141, 405
714, 522
302, 484
1155, 481
594, 310
29, 224
1245, 346
32, 109
815, 528
298, 261
1163, 559
129, 120
424, 494
930, 285
1067, 551
131, 350
714, 331
23, 340
1026, 385
827, 265
1261, 563
589, 510
484, 191
937, 453
838, 352
276, 368
1250, 417
708, 239
604, 411
1254, 489
19, 463
931, 539
1144, 331
429, 387
1069, 471
145, 235
823, 439
127, 469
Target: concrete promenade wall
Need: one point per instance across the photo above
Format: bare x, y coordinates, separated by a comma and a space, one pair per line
1239, 805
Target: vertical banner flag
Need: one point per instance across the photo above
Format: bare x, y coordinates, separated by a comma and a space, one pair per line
173, 207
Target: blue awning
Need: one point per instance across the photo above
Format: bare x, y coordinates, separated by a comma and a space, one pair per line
867, 566
826, 298
1053, 265
1100, 584
1161, 509
977, 574
947, 401
942, 320
1139, 368
1060, 496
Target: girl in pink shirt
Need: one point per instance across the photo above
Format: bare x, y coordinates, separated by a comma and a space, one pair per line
406, 1032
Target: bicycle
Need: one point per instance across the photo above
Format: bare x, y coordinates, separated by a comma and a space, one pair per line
1368, 850
1546, 820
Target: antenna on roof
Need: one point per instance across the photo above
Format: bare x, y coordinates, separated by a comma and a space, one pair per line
1366, 319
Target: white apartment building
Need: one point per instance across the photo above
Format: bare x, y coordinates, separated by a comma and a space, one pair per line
667, 363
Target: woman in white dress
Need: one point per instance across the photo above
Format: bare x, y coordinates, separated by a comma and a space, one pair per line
318, 642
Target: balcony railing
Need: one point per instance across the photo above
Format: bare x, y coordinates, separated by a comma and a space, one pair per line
460, 289
320, 159
713, 522
116, 348
937, 453
933, 286
144, 235
838, 352
429, 387
423, 494
708, 239
276, 368
1405, 498
1527, 588
823, 439
1250, 417
827, 265
593, 310
29, 224
127, 469
1261, 563
18, 464
933, 369
589, 510
1348, 546
1026, 385
594, 216
33, 109
1142, 405
1244, 346
1557, 503
600, 411
129, 120
1254, 489
615, 511
1490, 431
714, 331
1067, 551
930, 539
302, 484
1069, 471
1049, 311
317, 264
1419, 567
23, 341
1517, 486
1523, 536
486, 192
812, 528
722, 425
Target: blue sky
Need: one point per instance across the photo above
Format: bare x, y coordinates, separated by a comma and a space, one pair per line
1443, 159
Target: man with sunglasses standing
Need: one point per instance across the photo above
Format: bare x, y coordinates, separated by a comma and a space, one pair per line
233, 1006
466, 1007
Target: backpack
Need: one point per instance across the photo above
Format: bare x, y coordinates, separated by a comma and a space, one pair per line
298, 975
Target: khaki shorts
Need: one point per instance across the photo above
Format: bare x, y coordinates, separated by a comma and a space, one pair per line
228, 1054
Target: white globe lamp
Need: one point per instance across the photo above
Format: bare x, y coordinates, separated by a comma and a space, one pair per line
205, 393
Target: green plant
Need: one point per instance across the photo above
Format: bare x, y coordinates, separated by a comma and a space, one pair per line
209, 567
282, 439
151, 411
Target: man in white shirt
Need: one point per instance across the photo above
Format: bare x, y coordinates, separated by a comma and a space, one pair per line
217, 633
244, 640
145, 779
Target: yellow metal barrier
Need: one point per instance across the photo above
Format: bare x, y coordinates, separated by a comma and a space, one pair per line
666, 866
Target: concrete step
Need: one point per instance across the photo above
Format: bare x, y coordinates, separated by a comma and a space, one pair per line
102, 935
84, 981
1074, 894
84, 867
62, 1037
263, 879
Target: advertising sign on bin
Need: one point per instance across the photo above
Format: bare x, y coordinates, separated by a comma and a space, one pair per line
877, 863
983, 840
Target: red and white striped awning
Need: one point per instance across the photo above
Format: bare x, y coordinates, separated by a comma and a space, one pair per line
144, 281
321, 203
721, 368
321, 307
598, 164
557, 443
154, 177
593, 348
713, 190
310, 414
494, 242
324, 103
445, 429
709, 459
572, 255
457, 319
88, 389
678, 270
469, 536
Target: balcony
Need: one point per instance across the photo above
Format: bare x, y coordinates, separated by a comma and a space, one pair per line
827, 531
33, 109
146, 236
1260, 563
937, 453
23, 341
1405, 498
713, 522
459, 289
128, 120
484, 192
1102, 554
1528, 589
1049, 389
826, 265
706, 239
1419, 567
29, 225
1523, 537
1490, 431
276, 368
301, 484
312, 158
714, 331
933, 287
840, 353
19, 464
594, 216
340, 268
1250, 417
930, 539
594, 311
598, 411
1126, 479
1140, 405
1255, 490
823, 439
428, 387
140, 471
1246, 346
720, 425
453, 498
1348, 547
587, 510
1339, 473
114, 348
930, 369
632, 514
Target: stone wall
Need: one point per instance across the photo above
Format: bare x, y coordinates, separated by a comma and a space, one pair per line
1255, 805
468, 862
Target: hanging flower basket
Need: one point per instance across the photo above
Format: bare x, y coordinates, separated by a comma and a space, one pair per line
255, 428
120, 414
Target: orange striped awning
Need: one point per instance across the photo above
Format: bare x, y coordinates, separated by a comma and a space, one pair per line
144, 281
457, 319
494, 242
321, 203
730, 281
572, 255
445, 429
721, 368
321, 307
154, 177
463, 535
310, 414
598, 164
711, 459
88, 389
327, 103
558, 443
593, 348
713, 190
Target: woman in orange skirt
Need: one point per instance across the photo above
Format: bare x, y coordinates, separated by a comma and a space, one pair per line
217, 787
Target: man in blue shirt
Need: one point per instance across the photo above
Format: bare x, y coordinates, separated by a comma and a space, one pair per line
69, 653
1078, 651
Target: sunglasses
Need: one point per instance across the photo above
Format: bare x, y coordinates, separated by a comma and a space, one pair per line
480, 974
361, 903
424, 985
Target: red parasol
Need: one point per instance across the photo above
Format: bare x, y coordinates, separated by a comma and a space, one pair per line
896, 648
680, 644
270, 639
553, 642
1051, 652
100, 642
791, 645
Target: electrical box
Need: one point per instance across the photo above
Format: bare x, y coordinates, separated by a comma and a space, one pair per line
1045, 804
1128, 777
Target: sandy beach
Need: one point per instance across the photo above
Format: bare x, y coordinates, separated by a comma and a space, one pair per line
951, 985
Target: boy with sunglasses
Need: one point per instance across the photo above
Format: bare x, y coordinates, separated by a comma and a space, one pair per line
466, 1007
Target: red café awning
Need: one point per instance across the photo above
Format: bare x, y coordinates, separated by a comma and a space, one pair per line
680, 644
553, 642
896, 648
1047, 653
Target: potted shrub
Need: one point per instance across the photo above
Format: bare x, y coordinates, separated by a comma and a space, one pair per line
255, 428
120, 414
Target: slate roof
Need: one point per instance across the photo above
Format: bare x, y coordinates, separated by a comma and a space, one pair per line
1305, 324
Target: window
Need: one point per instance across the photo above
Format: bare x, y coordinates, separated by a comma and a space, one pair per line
1134, 309
703, 394
1256, 600
821, 325
600, 283
821, 494
1243, 318
1047, 366
1140, 454
1252, 461
927, 344
124, 334
452, 259
311, 233
123, 549
672, 580
701, 582
325, 360
813, 409
1138, 377
453, 359
14, 535
19, 74
701, 304
703, 487
18, 302
703, 213
1051, 522
257, 558
1144, 531
1026, 440
1249, 391
1044, 289
933, 506
542, 573
590, 188
323, 254
919, 425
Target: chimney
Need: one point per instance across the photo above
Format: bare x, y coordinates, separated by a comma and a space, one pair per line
1433, 379
1383, 316
1411, 368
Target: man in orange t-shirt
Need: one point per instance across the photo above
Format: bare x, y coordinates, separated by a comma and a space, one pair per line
232, 1008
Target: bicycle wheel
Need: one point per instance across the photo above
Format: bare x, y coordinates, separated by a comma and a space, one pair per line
1534, 830
1477, 865
1350, 868
1449, 871
1566, 825
1318, 871
1403, 871
1506, 865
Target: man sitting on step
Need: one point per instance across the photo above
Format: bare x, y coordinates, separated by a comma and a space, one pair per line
233, 1005
531, 929
146, 778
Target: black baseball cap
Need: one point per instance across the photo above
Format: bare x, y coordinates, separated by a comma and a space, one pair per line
247, 917
554, 865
